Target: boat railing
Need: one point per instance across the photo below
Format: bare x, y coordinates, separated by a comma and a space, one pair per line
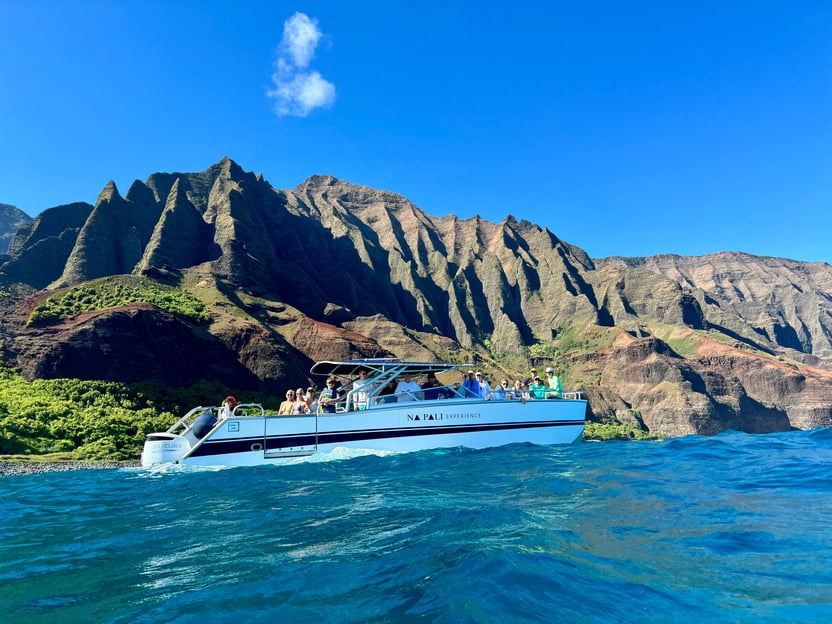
183, 425
569, 395
454, 391
243, 410
357, 399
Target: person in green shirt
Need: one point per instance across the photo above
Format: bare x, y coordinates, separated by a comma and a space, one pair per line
554, 383
536, 389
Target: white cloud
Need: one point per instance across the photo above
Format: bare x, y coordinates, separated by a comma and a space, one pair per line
296, 91
300, 38
302, 94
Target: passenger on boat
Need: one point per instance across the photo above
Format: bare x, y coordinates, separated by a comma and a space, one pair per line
498, 392
387, 393
530, 379
300, 406
554, 383
407, 389
536, 389
471, 385
518, 392
311, 401
361, 390
228, 405
329, 397
431, 388
485, 387
286, 406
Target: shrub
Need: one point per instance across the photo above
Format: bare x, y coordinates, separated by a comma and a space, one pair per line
105, 294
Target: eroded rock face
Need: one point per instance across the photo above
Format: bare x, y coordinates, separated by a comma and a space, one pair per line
722, 388
136, 343
321, 341
11, 220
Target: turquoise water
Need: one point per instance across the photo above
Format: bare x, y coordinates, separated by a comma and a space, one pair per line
724, 529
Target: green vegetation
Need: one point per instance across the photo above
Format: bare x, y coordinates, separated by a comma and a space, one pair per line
684, 343
94, 420
607, 431
115, 292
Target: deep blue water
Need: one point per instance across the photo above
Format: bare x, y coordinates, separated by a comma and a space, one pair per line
724, 529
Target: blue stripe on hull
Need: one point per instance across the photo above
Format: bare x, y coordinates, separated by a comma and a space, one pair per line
243, 445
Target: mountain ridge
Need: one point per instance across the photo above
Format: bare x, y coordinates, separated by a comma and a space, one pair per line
388, 278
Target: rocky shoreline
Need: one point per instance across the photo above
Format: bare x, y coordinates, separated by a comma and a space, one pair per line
8, 469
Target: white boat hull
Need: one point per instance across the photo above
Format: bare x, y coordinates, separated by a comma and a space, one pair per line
403, 426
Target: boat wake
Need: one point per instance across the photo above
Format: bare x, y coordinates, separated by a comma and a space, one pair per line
341, 453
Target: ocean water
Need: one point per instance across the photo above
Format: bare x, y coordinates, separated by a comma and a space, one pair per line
733, 528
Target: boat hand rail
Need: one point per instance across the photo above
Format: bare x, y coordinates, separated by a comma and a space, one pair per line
243, 410
185, 422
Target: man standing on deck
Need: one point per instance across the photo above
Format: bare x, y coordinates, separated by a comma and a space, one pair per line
329, 397
361, 392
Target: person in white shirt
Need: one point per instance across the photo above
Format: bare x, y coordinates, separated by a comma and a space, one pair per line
361, 390
485, 388
407, 389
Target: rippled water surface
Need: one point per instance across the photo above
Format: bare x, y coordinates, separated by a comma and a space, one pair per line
724, 529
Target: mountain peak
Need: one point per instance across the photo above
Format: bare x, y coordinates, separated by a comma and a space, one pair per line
108, 193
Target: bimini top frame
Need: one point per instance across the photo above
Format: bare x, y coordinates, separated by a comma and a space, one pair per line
380, 372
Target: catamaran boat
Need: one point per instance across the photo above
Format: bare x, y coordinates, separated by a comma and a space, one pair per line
365, 416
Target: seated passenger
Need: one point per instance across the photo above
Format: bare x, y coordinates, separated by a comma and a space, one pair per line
311, 401
387, 393
498, 392
431, 387
555, 385
286, 406
517, 391
471, 385
300, 406
536, 389
407, 389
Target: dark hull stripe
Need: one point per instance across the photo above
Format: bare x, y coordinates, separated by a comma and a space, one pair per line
243, 445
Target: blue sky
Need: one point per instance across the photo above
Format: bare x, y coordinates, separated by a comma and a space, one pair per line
626, 128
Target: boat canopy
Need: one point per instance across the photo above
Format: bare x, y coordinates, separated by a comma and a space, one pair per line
386, 367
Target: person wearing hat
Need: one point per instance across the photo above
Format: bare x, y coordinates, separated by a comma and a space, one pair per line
537, 390
554, 383
228, 405
471, 385
530, 379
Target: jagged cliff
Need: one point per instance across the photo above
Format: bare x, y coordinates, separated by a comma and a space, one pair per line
11, 220
330, 269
